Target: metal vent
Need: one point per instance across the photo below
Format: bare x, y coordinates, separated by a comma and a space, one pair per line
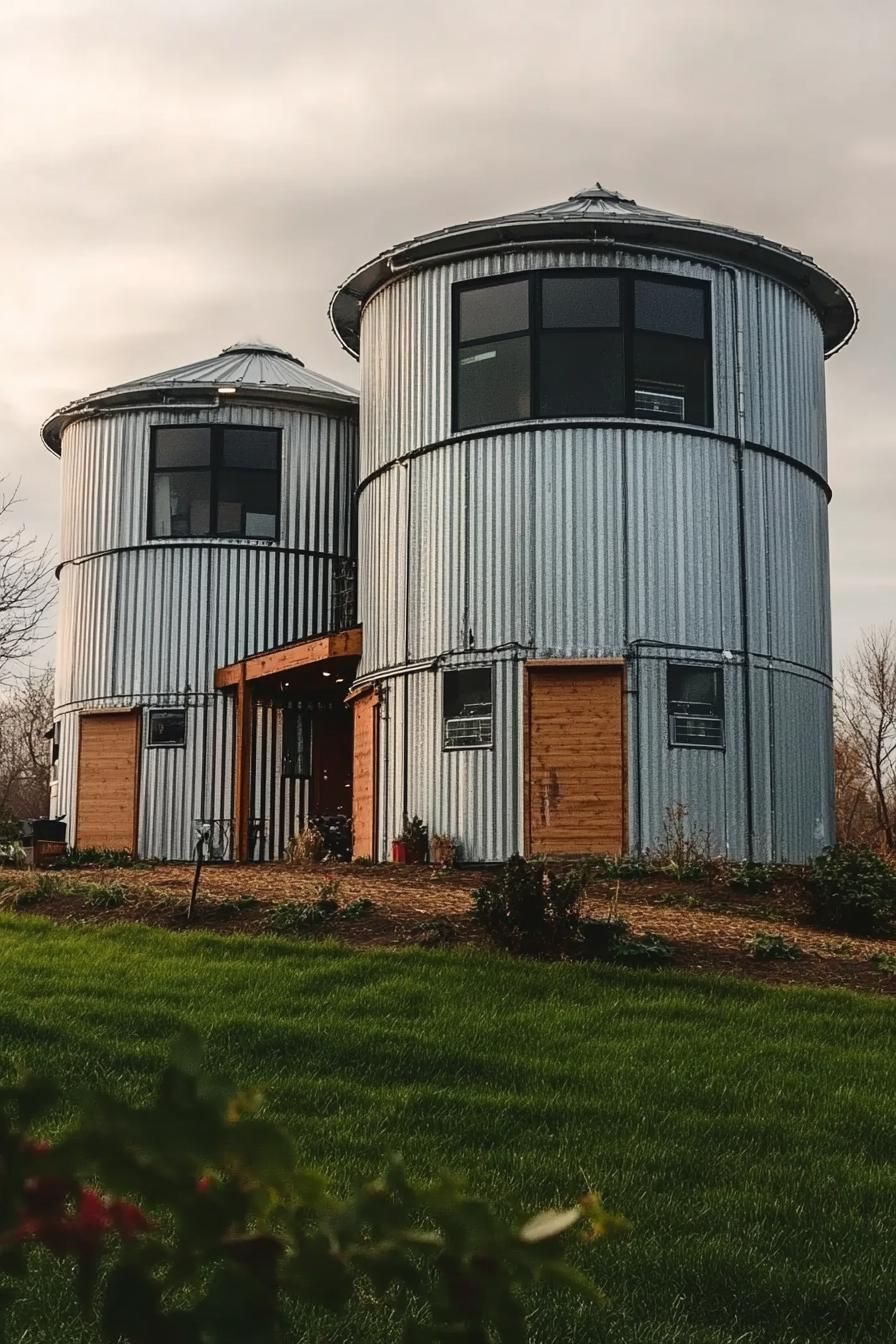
472, 730
696, 730
662, 403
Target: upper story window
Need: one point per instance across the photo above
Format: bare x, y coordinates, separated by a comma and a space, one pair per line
215, 481
582, 343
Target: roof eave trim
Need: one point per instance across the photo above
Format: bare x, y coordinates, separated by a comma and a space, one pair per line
183, 395
837, 310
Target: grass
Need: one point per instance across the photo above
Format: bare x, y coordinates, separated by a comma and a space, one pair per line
747, 1132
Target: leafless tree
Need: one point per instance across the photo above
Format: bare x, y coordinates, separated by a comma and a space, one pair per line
25, 592
866, 732
26, 716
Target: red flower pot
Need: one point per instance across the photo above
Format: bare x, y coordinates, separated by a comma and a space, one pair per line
399, 851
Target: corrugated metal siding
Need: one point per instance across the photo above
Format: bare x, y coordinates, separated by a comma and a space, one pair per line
149, 625
474, 796
105, 477
589, 542
709, 784
783, 372
682, 546
803, 748
406, 353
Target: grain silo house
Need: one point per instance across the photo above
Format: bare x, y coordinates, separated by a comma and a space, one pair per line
588, 519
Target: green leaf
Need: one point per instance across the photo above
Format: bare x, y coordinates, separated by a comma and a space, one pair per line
130, 1306
551, 1223
568, 1276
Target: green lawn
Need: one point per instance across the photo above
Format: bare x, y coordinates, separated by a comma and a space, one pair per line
746, 1132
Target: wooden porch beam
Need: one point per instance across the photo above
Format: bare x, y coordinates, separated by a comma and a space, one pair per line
342, 644
242, 793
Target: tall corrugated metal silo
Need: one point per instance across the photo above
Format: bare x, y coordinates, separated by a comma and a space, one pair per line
207, 515
593, 555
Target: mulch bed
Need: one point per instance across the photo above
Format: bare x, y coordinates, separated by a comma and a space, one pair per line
705, 925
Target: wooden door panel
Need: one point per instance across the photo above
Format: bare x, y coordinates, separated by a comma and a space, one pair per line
575, 767
366, 711
107, 781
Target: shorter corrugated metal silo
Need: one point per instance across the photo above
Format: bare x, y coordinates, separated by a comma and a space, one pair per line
207, 515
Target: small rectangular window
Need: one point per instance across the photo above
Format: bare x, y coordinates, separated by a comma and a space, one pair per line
166, 728
215, 480
467, 707
696, 705
296, 754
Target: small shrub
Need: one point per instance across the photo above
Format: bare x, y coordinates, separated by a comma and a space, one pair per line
626, 866
336, 835
111, 897
758, 878
327, 893
885, 961
598, 937
95, 858
415, 837
772, 947
438, 932
645, 949
299, 916
685, 851
357, 908
305, 849
530, 907
852, 888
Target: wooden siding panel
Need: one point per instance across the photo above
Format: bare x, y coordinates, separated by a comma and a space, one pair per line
575, 765
366, 710
107, 781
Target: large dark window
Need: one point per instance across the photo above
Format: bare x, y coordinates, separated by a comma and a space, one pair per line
467, 707
696, 705
492, 372
581, 343
215, 481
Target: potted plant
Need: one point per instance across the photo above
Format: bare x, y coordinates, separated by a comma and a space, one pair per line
411, 844
443, 851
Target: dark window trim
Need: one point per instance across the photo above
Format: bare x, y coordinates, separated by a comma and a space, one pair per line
627, 277
214, 468
466, 746
697, 746
164, 746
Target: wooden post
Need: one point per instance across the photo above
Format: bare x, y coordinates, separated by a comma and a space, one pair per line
243, 766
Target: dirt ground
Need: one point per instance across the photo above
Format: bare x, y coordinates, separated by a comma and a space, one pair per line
706, 925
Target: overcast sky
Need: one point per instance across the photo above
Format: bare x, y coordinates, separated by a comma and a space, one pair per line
178, 176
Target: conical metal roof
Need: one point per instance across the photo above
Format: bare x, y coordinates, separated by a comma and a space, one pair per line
602, 217
253, 369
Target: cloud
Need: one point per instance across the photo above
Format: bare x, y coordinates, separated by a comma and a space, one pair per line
178, 175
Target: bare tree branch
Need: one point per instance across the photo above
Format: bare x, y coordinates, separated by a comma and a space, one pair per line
865, 713
26, 715
25, 591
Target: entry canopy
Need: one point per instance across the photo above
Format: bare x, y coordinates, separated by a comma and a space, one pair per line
250, 370
601, 218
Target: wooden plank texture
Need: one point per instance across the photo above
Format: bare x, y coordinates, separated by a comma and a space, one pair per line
107, 781
575, 764
366, 711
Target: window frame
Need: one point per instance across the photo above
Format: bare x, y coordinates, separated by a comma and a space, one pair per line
444, 720
627, 276
719, 670
215, 469
157, 711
